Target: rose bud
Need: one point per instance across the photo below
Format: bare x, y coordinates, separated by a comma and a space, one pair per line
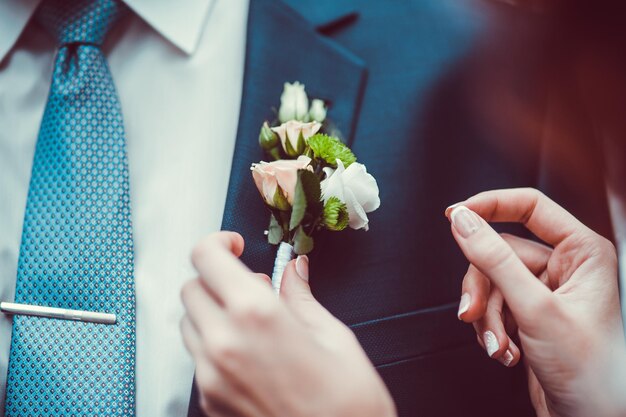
267, 138
294, 103
293, 135
318, 111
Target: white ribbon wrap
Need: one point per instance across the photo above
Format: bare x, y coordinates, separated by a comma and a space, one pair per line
284, 254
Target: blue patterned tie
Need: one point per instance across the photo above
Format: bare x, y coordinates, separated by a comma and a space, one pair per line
77, 248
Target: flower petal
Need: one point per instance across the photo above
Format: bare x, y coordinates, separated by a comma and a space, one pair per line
363, 185
281, 131
287, 179
358, 217
332, 186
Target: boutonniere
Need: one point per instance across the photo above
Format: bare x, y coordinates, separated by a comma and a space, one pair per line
313, 181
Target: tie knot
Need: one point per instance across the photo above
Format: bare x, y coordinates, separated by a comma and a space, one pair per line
80, 21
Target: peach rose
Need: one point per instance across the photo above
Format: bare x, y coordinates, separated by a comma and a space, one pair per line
277, 180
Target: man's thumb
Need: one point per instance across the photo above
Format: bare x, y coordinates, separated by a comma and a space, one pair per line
296, 292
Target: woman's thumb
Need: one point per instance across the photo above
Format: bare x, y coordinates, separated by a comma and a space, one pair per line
296, 292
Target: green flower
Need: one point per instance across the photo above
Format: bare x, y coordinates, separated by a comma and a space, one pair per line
335, 214
329, 149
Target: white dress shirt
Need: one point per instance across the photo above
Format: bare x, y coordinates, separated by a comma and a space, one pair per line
178, 68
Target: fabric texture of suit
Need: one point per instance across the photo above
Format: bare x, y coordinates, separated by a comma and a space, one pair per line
391, 72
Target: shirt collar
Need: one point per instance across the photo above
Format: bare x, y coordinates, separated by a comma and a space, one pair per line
180, 22
14, 14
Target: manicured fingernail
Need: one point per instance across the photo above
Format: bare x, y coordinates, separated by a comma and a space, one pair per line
465, 221
491, 342
464, 305
507, 358
450, 208
302, 267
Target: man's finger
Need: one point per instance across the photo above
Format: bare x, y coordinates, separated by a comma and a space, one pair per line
542, 216
495, 258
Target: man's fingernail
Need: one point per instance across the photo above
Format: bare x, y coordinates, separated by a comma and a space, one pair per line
507, 358
491, 342
302, 267
464, 305
450, 208
465, 221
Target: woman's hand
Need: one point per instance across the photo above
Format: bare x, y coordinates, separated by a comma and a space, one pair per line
562, 299
257, 356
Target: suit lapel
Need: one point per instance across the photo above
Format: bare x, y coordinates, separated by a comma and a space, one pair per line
282, 46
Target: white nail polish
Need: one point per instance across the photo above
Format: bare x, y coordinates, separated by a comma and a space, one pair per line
302, 267
465, 221
464, 305
450, 208
491, 342
508, 358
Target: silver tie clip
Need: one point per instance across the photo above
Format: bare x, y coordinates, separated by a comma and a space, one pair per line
57, 313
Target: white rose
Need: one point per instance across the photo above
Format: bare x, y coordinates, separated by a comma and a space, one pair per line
294, 103
356, 188
318, 110
290, 132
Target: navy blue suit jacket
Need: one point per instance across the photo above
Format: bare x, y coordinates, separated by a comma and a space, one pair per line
392, 72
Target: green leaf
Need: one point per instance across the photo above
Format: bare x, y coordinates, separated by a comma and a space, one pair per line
335, 214
307, 197
299, 206
302, 243
275, 231
329, 149
311, 185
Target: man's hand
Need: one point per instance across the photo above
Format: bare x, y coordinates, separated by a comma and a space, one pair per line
562, 299
258, 356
